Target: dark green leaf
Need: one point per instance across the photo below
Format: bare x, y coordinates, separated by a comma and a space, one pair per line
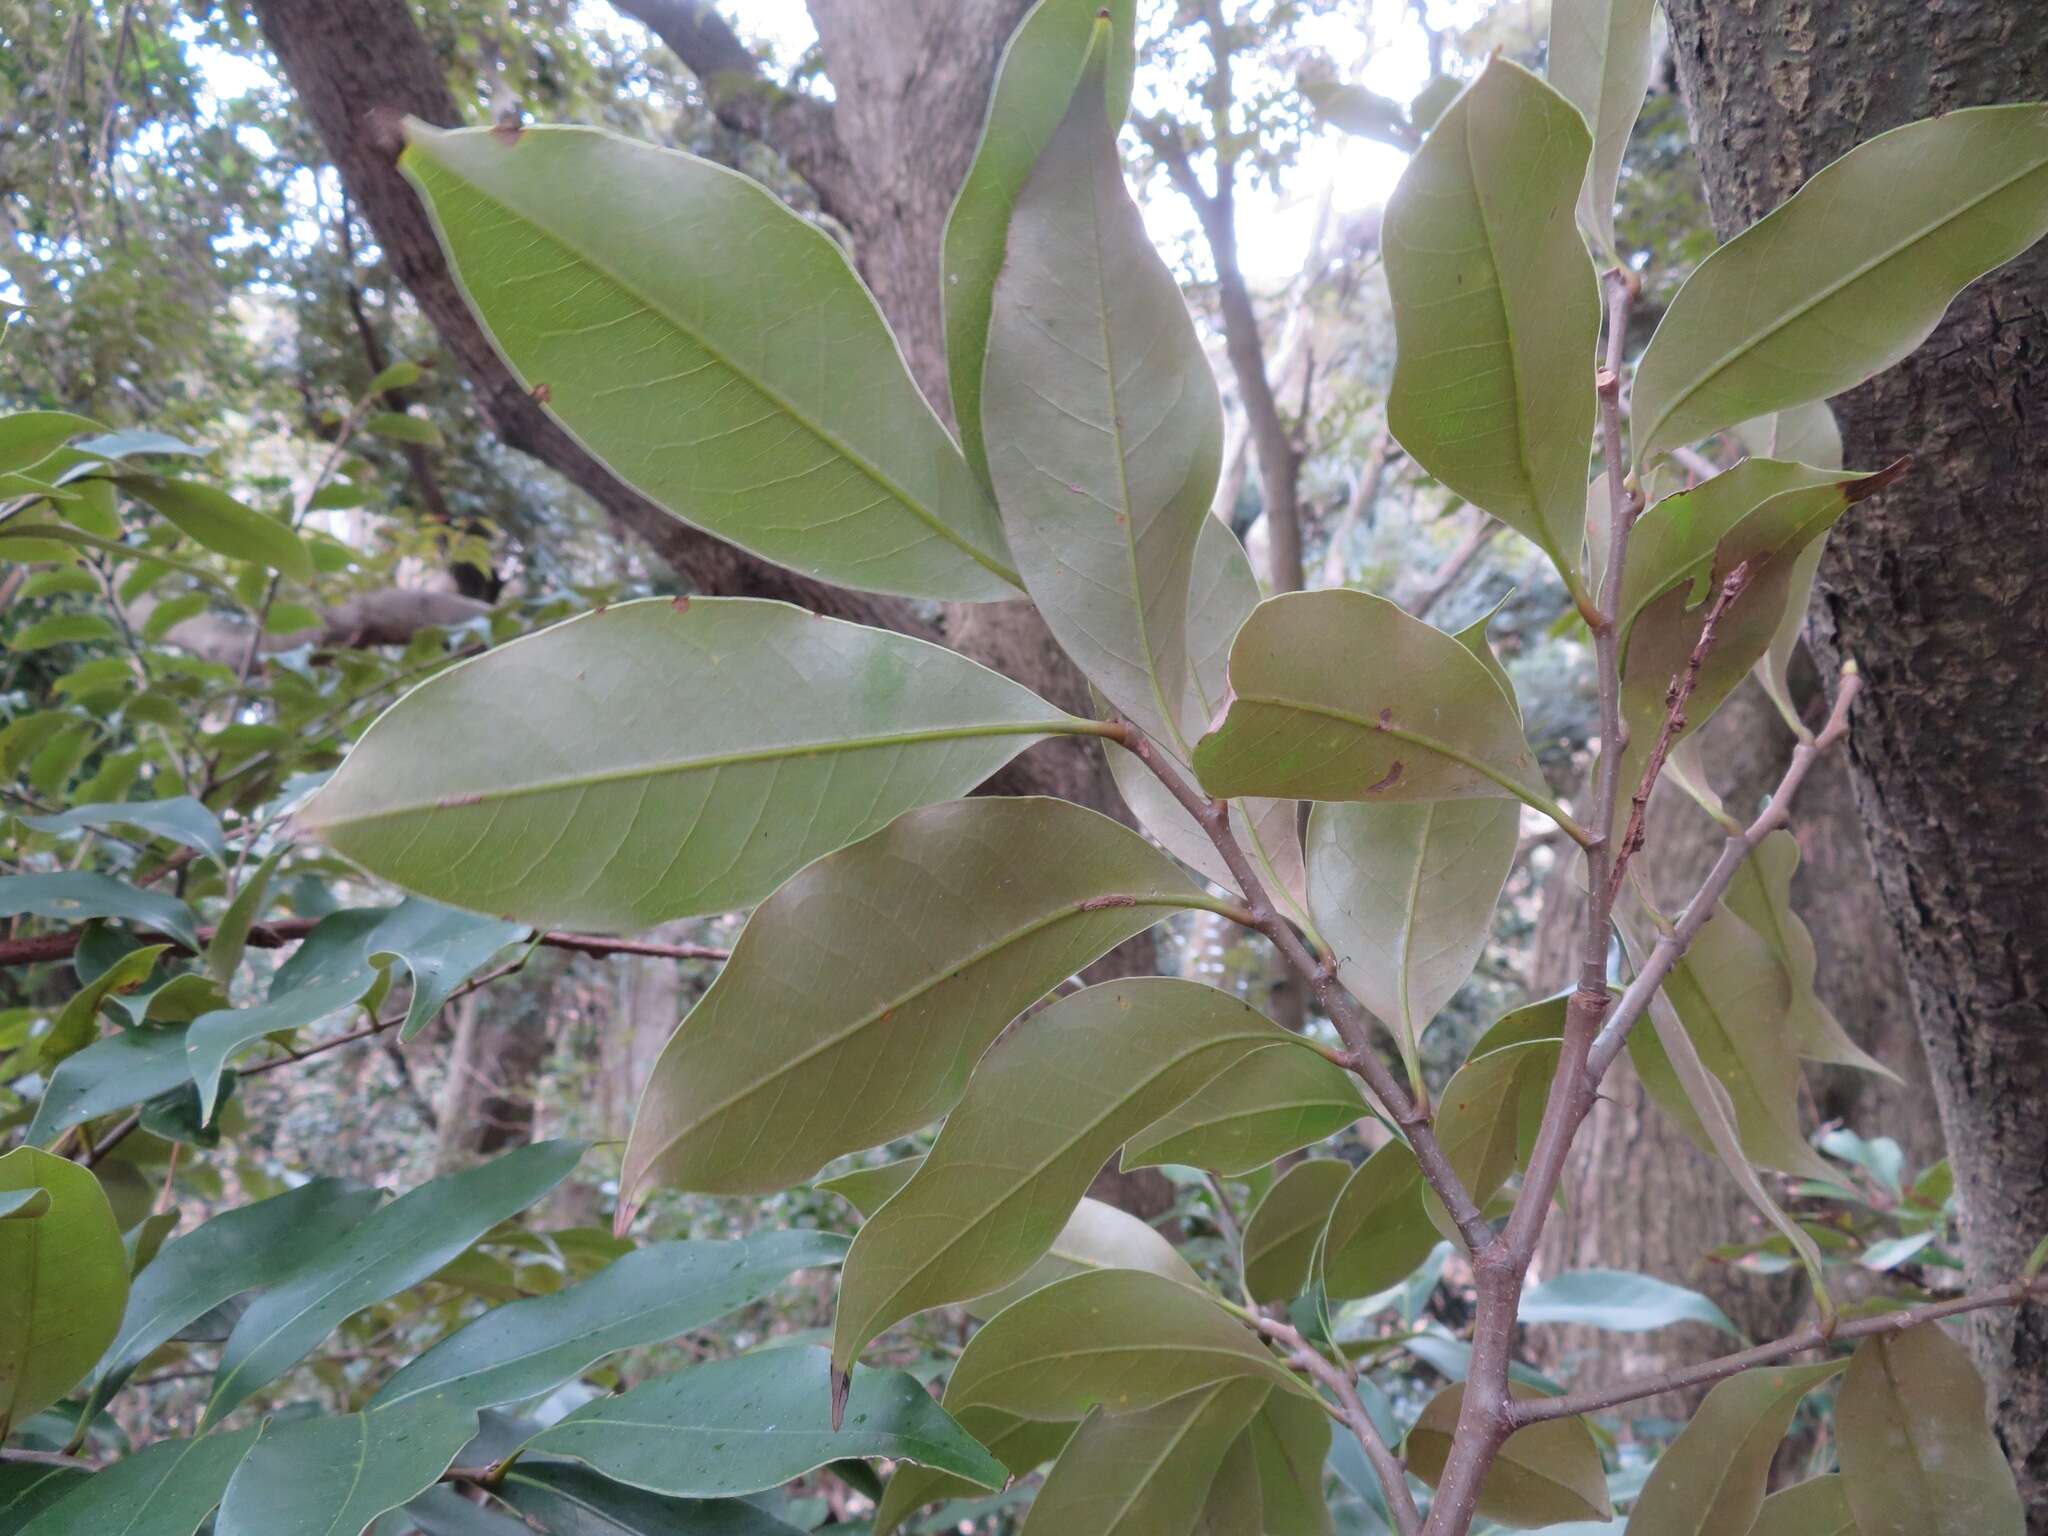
1918, 1458
396, 1246
1847, 276
1816, 1507
1379, 1229
1045, 1107
78, 1024
1101, 419
898, 959
1496, 310
781, 736
803, 440
528, 1348
1714, 1476
182, 820
737, 1426
167, 1489
1620, 1302
572, 1500
29, 1488
333, 1475
76, 896
63, 1282
1280, 1239
123, 1069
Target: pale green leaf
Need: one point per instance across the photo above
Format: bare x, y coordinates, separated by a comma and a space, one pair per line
1918, 1458
61, 629
866, 1188
714, 349
781, 736
63, 1282
1714, 1476
395, 1246
1290, 1442
1019, 1444
527, 1348
1496, 309
894, 962
332, 1475
1619, 1301
78, 1023
1222, 595
1275, 1101
1847, 276
756, 1421
231, 936
1546, 1473
1045, 1107
1731, 996
401, 427
1339, 695
1761, 895
1096, 1236
1146, 1473
1404, 897
29, 437
1600, 60
1119, 1339
1487, 1119
1040, 68
399, 375
1233, 1506
207, 515
1101, 419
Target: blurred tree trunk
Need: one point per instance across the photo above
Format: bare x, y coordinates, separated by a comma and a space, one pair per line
1643, 1197
1934, 588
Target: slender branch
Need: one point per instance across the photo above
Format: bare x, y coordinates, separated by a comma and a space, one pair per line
1812, 1336
1675, 699
1670, 947
1389, 1468
44, 947
1352, 1021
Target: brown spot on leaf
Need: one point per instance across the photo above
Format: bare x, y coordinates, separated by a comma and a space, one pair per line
1386, 719
1392, 777
680, 604
542, 393
1103, 903
451, 802
506, 129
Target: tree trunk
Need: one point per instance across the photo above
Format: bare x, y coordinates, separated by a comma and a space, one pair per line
1933, 589
1644, 1197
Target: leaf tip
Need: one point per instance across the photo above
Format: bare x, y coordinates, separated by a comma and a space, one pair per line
1870, 485
842, 1388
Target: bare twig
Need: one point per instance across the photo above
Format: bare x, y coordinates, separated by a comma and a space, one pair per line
1812, 1336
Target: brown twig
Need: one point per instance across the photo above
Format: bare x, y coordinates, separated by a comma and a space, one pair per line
1676, 697
45, 947
1813, 1336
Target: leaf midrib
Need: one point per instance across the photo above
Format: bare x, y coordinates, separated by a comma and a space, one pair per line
463, 800
774, 396
1757, 337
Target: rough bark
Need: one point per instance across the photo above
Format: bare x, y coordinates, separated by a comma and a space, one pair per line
1933, 589
1643, 1197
